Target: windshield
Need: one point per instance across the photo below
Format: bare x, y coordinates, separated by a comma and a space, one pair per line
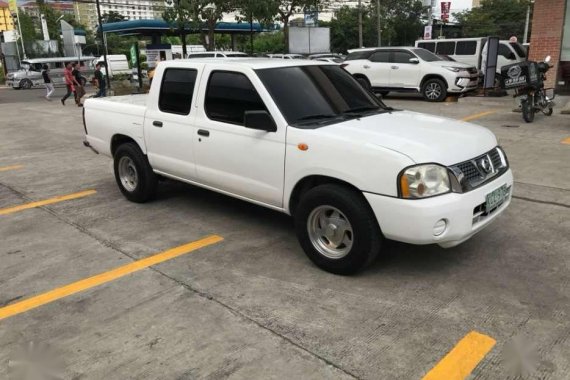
519, 49
307, 95
426, 55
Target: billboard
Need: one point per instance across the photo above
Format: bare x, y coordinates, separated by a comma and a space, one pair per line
309, 40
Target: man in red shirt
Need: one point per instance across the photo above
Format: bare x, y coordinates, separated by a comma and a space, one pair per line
70, 82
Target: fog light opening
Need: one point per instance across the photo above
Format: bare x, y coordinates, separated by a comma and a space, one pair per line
439, 227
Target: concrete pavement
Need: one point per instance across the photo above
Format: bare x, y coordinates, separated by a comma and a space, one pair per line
252, 305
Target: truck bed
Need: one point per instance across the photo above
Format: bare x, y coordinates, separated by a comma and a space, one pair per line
127, 117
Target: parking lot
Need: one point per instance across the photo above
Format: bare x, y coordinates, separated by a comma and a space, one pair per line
199, 285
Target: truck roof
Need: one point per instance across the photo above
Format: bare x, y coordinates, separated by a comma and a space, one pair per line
252, 63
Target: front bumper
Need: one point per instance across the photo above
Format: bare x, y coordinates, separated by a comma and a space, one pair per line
464, 84
12, 83
414, 221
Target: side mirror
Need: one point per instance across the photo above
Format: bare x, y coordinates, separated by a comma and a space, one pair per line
415, 61
260, 120
547, 59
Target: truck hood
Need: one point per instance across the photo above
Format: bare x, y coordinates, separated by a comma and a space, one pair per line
451, 64
423, 138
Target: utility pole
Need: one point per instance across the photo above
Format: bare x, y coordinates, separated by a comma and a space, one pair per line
360, 43
525, 39
378, 26
20, 32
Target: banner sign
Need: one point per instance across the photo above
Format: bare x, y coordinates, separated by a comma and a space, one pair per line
445, 9
427, 32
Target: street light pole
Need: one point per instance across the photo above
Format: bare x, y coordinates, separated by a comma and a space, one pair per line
525, 38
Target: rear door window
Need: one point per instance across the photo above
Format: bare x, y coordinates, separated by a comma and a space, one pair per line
380, 57
176, 91
466, 48
445, 48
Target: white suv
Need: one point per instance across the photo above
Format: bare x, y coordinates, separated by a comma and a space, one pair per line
410, 70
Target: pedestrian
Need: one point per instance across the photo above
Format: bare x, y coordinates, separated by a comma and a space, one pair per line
79, 90
47, 82
70, 82
100, 82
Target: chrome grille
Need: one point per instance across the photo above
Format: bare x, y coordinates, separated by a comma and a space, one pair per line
480, 170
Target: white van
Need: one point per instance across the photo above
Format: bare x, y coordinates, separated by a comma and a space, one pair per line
471, 50
118, 64
30, 73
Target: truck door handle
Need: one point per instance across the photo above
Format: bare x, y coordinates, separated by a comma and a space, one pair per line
395, 67
203, 132
157, 123
366, 66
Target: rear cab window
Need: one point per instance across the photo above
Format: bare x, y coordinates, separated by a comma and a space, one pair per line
177, 90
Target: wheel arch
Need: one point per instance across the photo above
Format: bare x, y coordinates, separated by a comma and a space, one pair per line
311, 181
120, 139
433, 76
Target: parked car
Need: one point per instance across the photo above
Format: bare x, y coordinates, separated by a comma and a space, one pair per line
331, 57
218, 54
30, 73
350, 170
403, 69
472, 50
286, 56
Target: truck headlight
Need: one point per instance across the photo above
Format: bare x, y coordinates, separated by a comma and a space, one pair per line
455, 69
423, 181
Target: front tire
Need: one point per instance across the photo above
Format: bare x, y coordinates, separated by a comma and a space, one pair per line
434, 90
337, 229
133, 174
26, 84
528, 110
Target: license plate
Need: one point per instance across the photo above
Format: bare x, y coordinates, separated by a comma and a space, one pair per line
496, 197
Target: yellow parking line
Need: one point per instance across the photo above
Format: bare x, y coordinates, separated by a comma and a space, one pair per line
478, 115
61, 198
566, 141
102, 278
463, 358
13, 167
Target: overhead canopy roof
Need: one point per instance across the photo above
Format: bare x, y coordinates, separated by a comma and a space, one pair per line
149, 27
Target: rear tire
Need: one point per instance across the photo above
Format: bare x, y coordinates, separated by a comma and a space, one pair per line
337, 229
133, 174
527, 110
434, 90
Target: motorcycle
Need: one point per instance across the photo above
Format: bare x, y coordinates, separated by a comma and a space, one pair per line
533, 97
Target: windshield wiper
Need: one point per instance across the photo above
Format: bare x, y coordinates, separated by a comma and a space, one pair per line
317, 117
361, 109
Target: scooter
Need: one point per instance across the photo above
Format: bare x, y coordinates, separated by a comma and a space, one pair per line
533, 98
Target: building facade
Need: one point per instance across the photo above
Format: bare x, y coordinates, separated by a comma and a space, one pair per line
551, 36
86, 13
6, 21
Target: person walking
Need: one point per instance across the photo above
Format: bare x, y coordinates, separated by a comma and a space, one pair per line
79, 90
47, 82
70, 82
100, 82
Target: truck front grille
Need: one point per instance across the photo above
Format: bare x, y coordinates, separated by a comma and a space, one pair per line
480, 170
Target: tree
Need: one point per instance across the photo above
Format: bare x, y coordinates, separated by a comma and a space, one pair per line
400, 21
211, 11
112, 16
501, 18
259, 10
284, 9
180, 15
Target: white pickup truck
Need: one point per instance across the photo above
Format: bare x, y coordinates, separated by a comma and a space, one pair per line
304, 138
